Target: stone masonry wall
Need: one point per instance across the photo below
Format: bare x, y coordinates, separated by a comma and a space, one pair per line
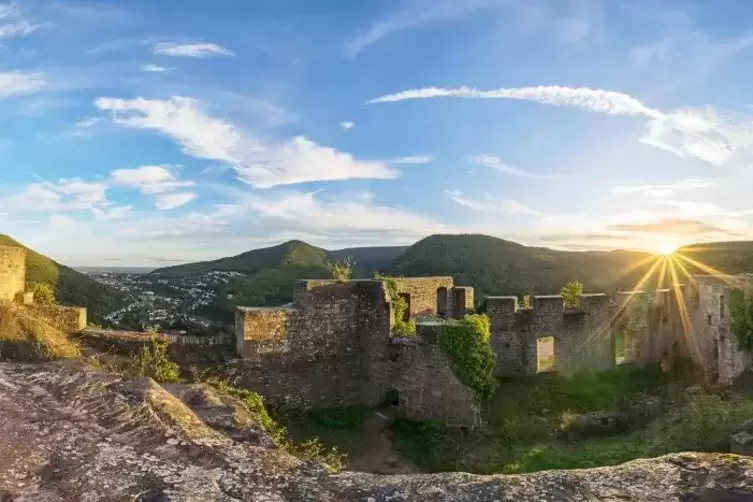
426, 386
66, 319
582, 339
12, 272
423, 294
311, 354
715, 347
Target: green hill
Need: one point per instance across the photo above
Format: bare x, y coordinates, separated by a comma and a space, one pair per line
251, 262
71, 287
727, 257
499, 267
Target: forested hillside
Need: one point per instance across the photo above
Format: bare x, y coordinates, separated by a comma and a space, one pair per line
71, 287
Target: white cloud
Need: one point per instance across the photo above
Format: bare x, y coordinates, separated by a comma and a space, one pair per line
497, 164
693, 209
668, 190
416, 15
16, 83
412, 159
153, 68
149, 179
261, 163
113, 213
503, 206
347, 125
11, 25
193, 50
61, 220
173, 200
597, 100
66, 195
695, 133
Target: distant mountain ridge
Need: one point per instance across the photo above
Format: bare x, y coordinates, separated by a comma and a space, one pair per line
71, 287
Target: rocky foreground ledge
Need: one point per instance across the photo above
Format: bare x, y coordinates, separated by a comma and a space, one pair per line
71, 433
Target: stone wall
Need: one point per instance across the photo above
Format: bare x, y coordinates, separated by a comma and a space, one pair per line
713, 346
425, 386
316, 352
423, 294
332, 347
582, 338
185, 350
12, 272
66, 319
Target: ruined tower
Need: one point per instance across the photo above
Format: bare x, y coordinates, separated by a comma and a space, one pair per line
12, 272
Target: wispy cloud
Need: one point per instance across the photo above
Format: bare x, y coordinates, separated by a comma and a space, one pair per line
174, 200
412, 159
153, 68
673, 226
694, 133
12, 23
503, 206
16, 83
259, 162
150, 179
667, 190
498, 165
416, 14
192, 50
347, 125
597, 100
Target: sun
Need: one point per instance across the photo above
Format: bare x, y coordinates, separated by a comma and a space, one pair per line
666, 247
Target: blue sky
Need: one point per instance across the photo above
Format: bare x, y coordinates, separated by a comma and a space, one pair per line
149, 133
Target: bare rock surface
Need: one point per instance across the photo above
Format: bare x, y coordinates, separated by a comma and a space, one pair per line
70, 433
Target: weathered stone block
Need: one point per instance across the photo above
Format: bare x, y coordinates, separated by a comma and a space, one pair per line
12, 272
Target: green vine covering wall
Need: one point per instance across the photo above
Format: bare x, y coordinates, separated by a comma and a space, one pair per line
401, 328
466, 344
741, 317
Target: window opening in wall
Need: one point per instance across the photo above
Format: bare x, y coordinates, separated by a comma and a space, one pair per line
621, 343
406, 312
721, 307
392, 398
442, 302
708, 319
545, 354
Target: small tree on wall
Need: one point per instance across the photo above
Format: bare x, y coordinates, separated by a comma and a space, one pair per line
342, 271
43, 293
570, 293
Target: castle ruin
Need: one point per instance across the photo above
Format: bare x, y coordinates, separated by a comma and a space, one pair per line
332, 345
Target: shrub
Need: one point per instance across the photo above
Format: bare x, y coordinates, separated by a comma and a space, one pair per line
311, 450
154, 362
570, 293
741, 317
44, 294
342, 271
401, 328
466, 344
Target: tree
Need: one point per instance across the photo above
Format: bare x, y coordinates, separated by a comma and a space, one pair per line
342, 271
43, 293
570, 293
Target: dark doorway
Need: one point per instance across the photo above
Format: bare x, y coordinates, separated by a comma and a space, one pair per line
406, 312
442, 300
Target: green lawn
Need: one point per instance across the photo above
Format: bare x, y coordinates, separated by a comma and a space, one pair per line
523, 419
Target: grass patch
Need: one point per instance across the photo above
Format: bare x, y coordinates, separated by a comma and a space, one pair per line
25, 337
340, 428
523, 420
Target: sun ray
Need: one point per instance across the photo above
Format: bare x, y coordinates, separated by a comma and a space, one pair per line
705, 268
683, 269
687, 326
662, 272
637, 287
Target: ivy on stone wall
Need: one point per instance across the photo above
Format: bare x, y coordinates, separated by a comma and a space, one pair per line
401, 328
741, 317
467, 345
